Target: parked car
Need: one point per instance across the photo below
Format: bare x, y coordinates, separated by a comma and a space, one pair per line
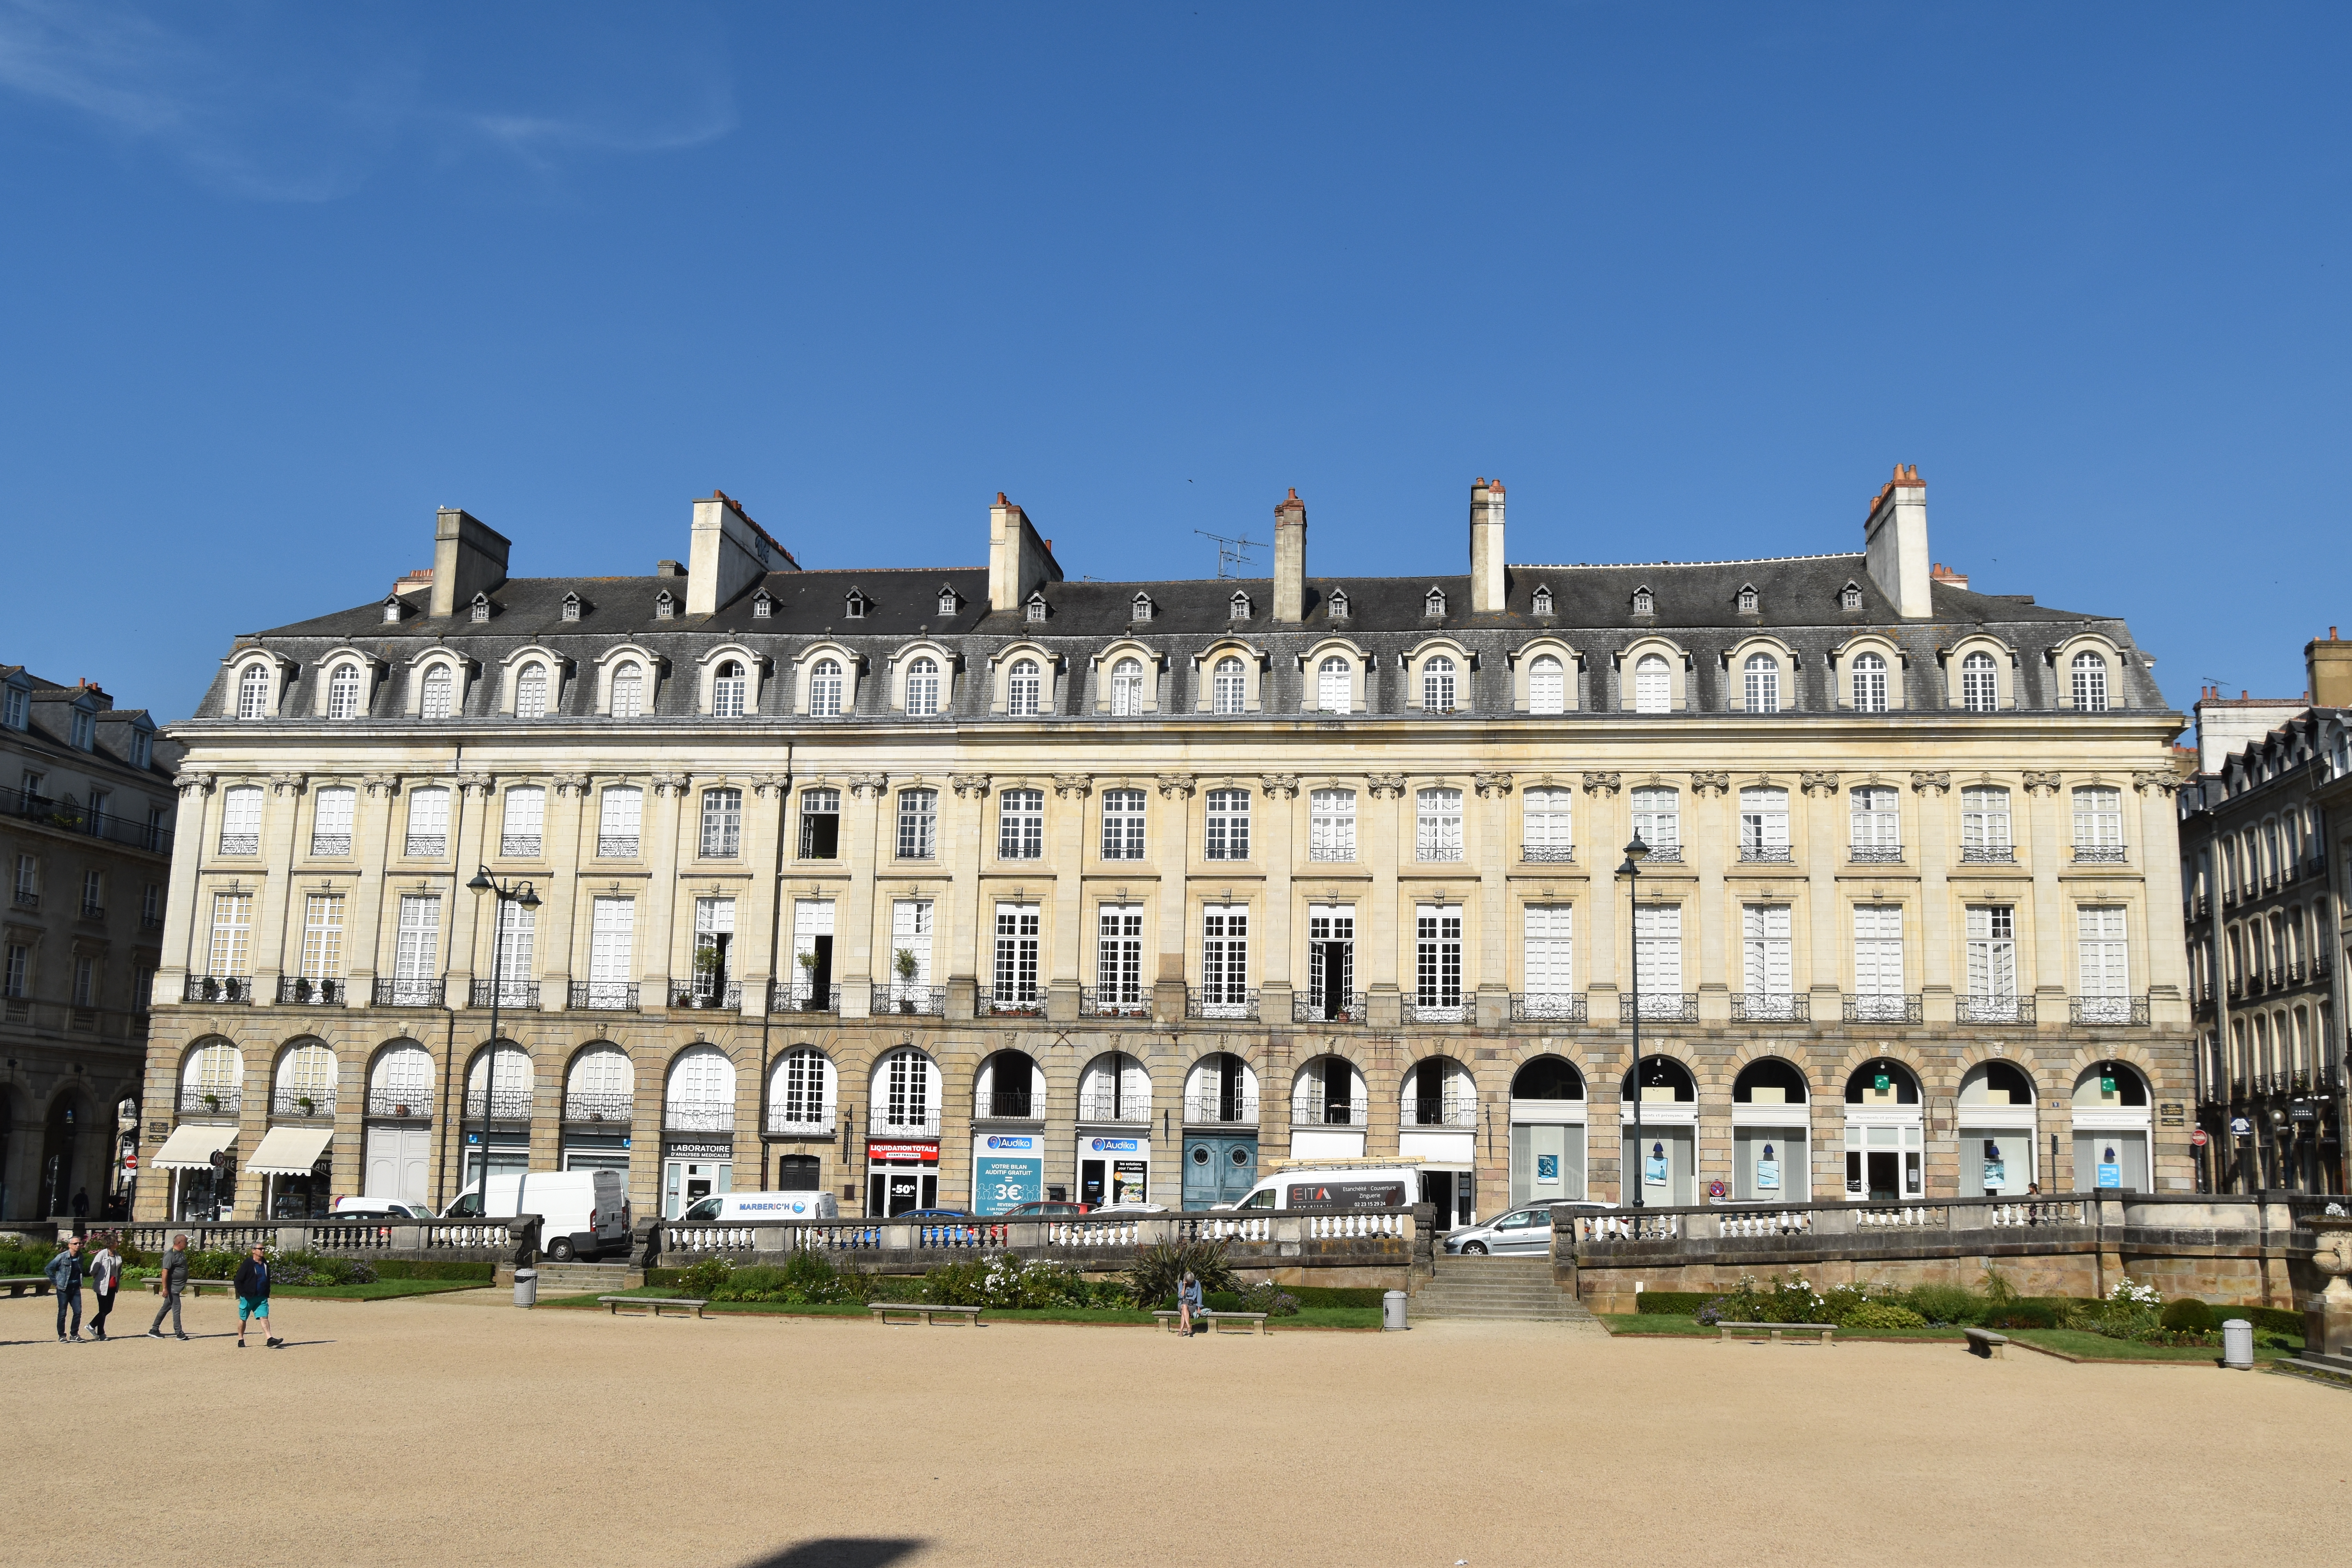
753, 1208
1046, 1208
361, 1209
1519, 1232
1133, 1208
582, 1214
919, 1215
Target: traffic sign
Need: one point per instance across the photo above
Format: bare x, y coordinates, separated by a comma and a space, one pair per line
2198, 1139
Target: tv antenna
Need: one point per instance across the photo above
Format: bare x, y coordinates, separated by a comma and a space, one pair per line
1231, 553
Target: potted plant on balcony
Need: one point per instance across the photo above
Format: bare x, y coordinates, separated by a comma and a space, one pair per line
307, 1106
706, 978
904, 963
810, 1001
212, 1101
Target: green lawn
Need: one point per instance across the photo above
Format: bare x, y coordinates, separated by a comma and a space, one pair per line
1666, 1325
382, 1290
2098, 1347
1307, 1317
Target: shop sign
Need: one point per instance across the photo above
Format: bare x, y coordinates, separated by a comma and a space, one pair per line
999, 1183
2171, 1113
1879, 1083
699, 1151
2303, 1113
882, 1153
1114, 1146
2240, 1128
1007, 1141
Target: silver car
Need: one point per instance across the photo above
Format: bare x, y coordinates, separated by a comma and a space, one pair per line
1523, 1231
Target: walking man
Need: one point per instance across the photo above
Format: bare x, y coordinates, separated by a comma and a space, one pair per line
253, 1297
65, 1272
173, 1279
105, 1279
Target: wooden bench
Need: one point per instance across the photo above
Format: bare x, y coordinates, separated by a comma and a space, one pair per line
653, 1304
17, 1284
1822, 1332
1985, 1342
882, 1311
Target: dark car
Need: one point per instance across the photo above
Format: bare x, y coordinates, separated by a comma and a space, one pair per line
1046, 1208
920, 1215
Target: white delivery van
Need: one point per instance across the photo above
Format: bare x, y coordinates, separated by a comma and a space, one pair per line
764, 1208
582, 1214
1330, 1185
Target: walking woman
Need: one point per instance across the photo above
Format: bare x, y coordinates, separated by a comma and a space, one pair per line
105, 1279
253, 1298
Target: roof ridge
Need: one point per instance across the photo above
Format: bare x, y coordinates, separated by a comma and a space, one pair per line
1732, 560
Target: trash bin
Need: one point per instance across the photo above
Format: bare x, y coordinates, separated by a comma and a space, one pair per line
525, 1287
1392, 1309
2238, 1344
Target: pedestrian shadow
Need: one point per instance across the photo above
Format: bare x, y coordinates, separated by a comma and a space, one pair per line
840, 1551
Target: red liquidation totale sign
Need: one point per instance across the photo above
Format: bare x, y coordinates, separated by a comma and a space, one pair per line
902, 1154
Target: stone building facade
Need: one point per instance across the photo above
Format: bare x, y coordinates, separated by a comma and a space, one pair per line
959, 888
86, 813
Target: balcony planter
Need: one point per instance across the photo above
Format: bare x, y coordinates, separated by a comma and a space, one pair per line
309, 1107
904, 962
212, 1102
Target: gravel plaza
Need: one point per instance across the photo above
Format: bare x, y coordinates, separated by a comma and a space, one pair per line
458, 1429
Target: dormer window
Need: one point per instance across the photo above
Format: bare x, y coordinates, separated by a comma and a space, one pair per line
664, 608
1747, 599
570, 606
1142, 610
481, 608
1644, 604
1239, 606
1432, 603
1543, 601
85, 730
1850, 596
764, 605
1037, 608
948, 601
855, 606
1338, 603
142, 748
393, 610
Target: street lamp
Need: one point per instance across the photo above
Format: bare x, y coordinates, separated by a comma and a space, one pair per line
1635, 853
524, 896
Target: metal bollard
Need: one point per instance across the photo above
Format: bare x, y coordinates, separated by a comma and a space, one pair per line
2238, 1344
1391, 1311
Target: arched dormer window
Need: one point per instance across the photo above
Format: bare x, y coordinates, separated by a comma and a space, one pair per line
853, 607
1870, 682
1432, 603
570, 606
1140, 611
1850, 596
1762, 680
393, 609
1231, 686
1547, 686
923, 688
1653, 685
253, 691
530, 692
438, 693
1036, 607
628, 691
1645, 603
1747, 599
727, 688
1339, 603
2090, 671
1238, 607
949, 600
480, 610
825, 688
1437, 690
1335, 686
664, 605
343, 687
1023, 689
764, 605
1543, 601
1126, 689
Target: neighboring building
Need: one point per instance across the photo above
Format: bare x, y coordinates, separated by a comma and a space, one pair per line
86, 809
959, 887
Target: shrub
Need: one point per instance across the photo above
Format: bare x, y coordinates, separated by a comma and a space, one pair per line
2023, 1315
1946, 1304
1882, 1315
1786, 1300
2188, 1315
1264, 1297
1341, 1295
1997, 1288
435, 1269
2137, 1294
1159, 1269
707, 1279
2268, 1319
1672, 1303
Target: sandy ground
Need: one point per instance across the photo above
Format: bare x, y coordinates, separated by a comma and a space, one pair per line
460, 1430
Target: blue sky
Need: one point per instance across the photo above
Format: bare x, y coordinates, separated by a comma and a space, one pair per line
279, 280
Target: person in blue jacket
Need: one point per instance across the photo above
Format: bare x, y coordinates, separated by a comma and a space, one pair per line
253, 1298
67, 1271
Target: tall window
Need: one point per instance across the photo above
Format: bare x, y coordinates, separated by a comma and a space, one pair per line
343, 692
1331, 961
1653, 685
919, 823
232, 948
1547, 687
825, 689
1763, 680
727, 690
530, 692
1022, 689
1878, 962
14, 705
620, 817
2104, 964
1984, 824
820, 824
85, 982
907, 1097
525, 821
1437, 684
19, 973
1225, 961
1230, 688
1870, 683
804, 1089
1122, 824
253, 692
1438, 818
1549, 961
1763, 824
1016, 955
2099, 824
723, 824
240, 820
1658, 956
910, 934
416, 950
330, 820
1992, 960
714, 945
1128, 695
1657, 822
1770, 971
1335, 686
1438, 955
923, 688
322, 936
2090, 682
628, 692
518, 941
1331, 825
1021, 824
1228, 835
1546, 830
435, 702
1877, 826
612, 939
1118, 955
1979, 684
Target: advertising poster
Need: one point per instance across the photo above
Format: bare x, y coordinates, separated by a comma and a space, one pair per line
1996, 1174
1126, 1181
1548, 1168
2111, 1176
1768, 1175
1007, 1170
1654, 1170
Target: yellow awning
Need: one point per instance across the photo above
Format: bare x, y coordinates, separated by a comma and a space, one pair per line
290, 1150
191, 1147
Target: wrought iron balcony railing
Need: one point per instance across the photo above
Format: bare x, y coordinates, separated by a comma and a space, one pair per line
802, 996
1548, 854
2099, 854
1220, 1109
1658, 1006
616, 846
1011, 1002
330, 846
240, 843
1882, 1007
519, 845
76, 817
1875, 854
414, 1104
425, 845
1413, 1010
900, 997
1308, 1008
1995, 1009
1315, 1111
506, 1104
1114, 1108
1114, 1002
1424, 1111
399, 993
1547, 1006
1771, 1008
604, 995
699, 995
302, 1102
1766, 855
504, 994
2123, 1010
300, 991
802, 1117
1220, 1002
209, 1099
599, 1107
698, 1116
233, 988
1988, 854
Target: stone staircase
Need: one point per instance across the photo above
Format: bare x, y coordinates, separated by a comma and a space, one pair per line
582, 1278
1502, 1288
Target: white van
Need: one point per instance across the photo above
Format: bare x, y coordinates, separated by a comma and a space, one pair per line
764, 1208
1329, 1185
582, 1214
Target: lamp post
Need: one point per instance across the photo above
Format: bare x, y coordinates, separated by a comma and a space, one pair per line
1635, 853
523, 895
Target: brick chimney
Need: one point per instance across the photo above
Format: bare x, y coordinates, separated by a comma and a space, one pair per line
1486, 546
1290, 559
470, 557
2329, 662
727, 554
1019, 560
1949, 578
1895, 537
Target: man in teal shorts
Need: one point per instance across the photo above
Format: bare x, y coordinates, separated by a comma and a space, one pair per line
253, 1298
